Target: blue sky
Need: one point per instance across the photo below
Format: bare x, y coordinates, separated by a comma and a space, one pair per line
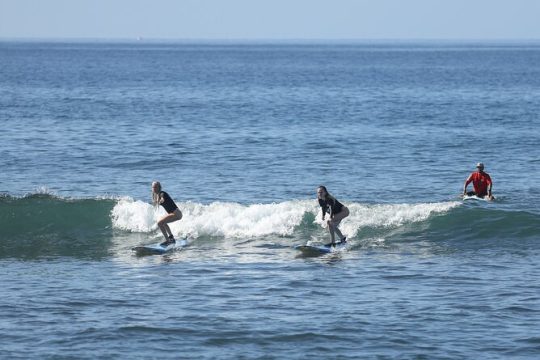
271, 19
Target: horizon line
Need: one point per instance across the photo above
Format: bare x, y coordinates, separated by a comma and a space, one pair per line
280, 40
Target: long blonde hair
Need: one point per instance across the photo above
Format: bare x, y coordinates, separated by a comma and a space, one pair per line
155, 195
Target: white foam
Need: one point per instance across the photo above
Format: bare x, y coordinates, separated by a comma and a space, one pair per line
390, 215
235, 220
136, 216
240, 221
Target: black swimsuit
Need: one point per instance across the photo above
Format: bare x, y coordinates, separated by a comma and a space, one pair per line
168, 203
331, 206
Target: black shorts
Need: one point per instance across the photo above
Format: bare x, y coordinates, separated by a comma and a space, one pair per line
472, 193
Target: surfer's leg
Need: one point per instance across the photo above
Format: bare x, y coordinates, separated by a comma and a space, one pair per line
332, 235
331, 229
168, 230
334, 229
337, 220
169, 218
341, 215
163, 231
339, 234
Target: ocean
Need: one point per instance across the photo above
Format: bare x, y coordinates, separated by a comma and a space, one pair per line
241, 134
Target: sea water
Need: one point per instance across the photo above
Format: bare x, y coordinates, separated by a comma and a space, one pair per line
240, 135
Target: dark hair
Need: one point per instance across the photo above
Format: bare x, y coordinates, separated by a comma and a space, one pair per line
328, 196
324, 188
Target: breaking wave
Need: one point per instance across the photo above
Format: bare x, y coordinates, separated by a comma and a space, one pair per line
47, 225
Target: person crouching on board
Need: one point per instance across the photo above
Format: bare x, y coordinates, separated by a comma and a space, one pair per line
482, 183
160, 197
337, 212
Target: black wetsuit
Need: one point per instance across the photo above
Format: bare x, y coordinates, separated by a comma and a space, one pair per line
168, 203
331, 206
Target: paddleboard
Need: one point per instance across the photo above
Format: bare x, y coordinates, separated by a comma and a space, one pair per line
320, 249
157, 249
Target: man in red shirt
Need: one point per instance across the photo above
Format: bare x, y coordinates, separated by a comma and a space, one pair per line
481, 182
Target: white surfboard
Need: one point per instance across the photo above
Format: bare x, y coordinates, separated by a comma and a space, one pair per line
320, 249
157, 249
474, 197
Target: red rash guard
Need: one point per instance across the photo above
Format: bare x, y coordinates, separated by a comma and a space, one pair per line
480, 183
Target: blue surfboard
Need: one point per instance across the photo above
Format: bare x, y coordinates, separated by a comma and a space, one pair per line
157, 249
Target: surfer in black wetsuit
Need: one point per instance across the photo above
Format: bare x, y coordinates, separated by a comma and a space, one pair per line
160, 197
337, 212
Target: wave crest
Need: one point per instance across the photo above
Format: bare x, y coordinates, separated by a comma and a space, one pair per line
221, 219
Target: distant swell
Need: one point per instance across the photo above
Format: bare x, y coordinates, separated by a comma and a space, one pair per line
486, 224
38, 214
43, 224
